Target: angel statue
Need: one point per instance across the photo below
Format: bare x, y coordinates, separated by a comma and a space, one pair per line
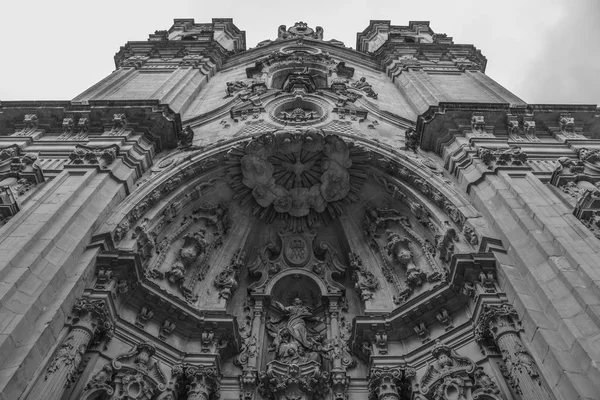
293, 340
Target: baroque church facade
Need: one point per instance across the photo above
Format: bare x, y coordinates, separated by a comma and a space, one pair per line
299, 220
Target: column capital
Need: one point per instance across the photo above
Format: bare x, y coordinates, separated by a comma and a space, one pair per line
496, 320
203, 382
389, 382
93, 315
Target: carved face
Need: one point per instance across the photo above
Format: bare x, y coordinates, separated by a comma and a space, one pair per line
285, 335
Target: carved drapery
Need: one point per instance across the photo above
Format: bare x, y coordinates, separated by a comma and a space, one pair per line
90, 323
498, 324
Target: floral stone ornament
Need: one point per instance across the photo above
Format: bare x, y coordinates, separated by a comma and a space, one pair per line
295, 171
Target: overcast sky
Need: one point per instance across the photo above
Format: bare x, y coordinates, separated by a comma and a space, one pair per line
544, 51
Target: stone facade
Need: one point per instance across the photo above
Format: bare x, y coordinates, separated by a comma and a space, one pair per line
300, 220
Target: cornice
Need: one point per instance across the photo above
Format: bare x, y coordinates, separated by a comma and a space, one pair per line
147, 117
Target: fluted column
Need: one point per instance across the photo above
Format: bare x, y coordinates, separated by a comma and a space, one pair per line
203, 383
497, 323
90, 320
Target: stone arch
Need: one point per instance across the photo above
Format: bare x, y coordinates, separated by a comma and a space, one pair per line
203, 164
297, 284
303, 276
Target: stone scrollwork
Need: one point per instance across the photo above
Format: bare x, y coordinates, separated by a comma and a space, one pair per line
132, 375
448, 373
300, 30
296, 251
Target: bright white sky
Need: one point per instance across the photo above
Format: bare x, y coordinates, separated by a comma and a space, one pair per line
544, 51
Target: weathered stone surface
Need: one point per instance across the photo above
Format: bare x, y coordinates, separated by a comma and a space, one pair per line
298, 220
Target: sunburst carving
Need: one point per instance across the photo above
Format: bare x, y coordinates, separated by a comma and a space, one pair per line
298, 174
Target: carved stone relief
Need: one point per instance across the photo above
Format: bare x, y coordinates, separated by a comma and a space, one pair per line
451, 376
512, 156
194, 242
366, 87
407, 257
304, 174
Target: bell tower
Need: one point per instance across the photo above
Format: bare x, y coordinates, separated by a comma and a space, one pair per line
299, 220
